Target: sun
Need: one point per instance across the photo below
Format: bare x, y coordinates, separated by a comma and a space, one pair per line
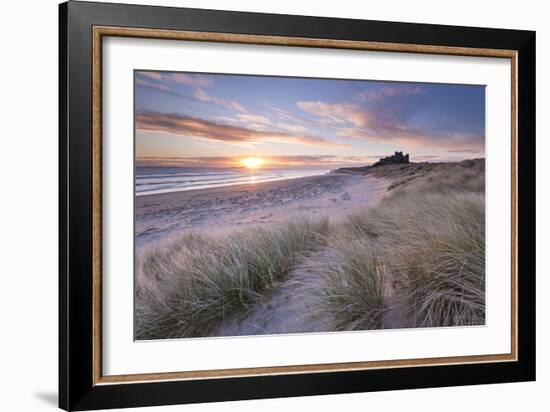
252, 162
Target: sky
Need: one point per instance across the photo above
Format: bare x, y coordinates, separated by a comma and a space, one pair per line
217, 120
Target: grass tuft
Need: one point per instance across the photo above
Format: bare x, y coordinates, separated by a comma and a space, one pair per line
348, 282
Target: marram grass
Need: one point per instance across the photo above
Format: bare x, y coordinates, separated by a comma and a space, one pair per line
200, 281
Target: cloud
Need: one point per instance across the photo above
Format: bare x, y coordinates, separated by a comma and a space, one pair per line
201, 95
419, 138
466, 150
260, 122
152, 75
298, 161
384, 116
194, 127
360, 115
339, 113
293, 117
296, 128
194, 80
254, 118
165, 81
146, 83
391, 91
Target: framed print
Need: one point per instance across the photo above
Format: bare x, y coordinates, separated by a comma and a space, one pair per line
257, 205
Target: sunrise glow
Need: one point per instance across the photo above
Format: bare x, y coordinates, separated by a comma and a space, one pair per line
252, 162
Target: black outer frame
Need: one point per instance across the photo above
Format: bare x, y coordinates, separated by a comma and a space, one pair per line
76, 389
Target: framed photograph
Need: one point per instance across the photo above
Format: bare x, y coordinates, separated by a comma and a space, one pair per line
257, 205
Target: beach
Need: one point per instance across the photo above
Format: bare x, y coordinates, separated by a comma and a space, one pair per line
314, 254
160, 217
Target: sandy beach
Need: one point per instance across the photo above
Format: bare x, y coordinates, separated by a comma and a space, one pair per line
219, 210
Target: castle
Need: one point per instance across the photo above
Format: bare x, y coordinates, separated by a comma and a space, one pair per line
397, 158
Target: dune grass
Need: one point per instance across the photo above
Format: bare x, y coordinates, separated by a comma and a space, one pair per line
431, 247
417, 259
468, 175
347, 282
425, 243
199, 281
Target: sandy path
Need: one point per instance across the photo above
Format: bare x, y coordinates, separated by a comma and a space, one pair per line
292, 307
286, 310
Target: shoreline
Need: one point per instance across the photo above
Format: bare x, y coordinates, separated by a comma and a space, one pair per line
221, 209
278, 179
233, 185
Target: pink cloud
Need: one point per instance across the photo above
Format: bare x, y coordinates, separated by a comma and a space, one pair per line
201, 95
194, 127
382, 118
194, 80
298, 161
337, 112
292, 127
416, 138
254, 118
391, 91
146, 83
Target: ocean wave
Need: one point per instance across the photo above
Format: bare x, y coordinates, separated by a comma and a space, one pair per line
156, 183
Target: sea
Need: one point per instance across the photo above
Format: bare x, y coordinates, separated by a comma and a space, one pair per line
156, 180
